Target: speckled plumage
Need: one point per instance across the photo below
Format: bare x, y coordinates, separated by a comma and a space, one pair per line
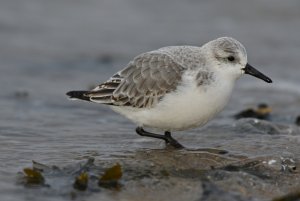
176, 87
150, 76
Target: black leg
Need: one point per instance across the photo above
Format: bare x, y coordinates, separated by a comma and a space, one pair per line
166, 137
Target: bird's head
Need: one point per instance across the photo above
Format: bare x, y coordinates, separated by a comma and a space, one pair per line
229, 56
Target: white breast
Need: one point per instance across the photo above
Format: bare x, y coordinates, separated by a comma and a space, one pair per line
189, 106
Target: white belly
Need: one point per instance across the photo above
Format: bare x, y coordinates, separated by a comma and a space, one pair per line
188, 107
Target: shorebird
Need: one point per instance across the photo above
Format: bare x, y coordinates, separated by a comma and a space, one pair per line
174, 88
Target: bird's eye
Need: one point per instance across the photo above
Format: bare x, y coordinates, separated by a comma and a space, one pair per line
231, 58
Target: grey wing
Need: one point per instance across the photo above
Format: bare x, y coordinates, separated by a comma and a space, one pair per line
142, 83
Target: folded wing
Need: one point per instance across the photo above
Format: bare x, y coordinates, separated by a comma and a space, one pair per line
141, 84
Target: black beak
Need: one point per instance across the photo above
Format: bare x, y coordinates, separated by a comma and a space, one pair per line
252, 71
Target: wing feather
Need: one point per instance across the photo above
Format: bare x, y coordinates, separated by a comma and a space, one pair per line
142, 83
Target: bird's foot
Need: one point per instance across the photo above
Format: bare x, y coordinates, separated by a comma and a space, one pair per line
171, 141
166, 137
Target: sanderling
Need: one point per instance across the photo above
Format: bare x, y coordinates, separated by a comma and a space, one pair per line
174, 88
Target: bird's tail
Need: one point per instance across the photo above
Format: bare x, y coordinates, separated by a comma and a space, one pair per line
81, 95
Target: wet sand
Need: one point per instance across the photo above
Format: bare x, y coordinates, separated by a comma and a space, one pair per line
50, 47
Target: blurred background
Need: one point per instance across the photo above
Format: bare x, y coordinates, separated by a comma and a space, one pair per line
65, 29
50, 47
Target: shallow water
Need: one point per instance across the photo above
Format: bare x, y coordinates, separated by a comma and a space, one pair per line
44, 56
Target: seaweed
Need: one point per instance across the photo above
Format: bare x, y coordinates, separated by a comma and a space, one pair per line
262, 111
110, 178
81, 181
33, 177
